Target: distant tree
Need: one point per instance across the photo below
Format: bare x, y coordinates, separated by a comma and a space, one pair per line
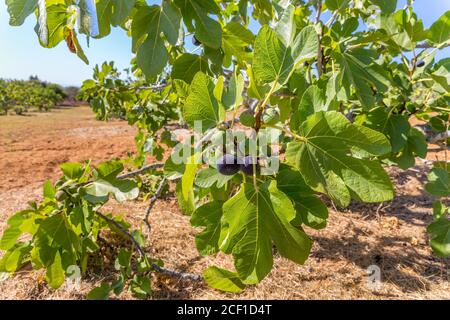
71, 92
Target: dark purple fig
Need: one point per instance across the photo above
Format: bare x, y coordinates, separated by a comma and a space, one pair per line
195, 41
248, 165
420, 63
228, 165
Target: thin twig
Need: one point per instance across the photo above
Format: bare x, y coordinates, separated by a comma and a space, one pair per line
208, 135
262, 105
141, 170
430, 46
253, 103
171, 273
332, 19
443, 136
334, 206
175, 274
319, 38
124, 231
152, 203
380, 207
156, 87
319, 11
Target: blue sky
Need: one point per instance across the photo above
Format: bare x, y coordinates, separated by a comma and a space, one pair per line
22, 56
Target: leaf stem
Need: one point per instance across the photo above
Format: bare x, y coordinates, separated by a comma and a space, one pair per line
287, 131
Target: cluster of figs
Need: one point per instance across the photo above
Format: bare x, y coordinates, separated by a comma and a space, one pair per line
229, 165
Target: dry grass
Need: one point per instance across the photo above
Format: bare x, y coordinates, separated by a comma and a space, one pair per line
391, 236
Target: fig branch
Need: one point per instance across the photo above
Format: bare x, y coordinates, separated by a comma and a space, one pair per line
152, 203
142, 170
141, 251
320, 62
260, 108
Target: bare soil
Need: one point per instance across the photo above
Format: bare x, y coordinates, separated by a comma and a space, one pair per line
391, 236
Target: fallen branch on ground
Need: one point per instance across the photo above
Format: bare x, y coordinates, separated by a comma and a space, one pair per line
152, 203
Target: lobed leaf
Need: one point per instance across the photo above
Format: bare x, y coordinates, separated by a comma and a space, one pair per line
324, 158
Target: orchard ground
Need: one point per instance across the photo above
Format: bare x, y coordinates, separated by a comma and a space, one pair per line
391, 236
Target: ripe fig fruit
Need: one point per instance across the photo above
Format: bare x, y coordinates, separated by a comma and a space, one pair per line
420, 64
228, 165
247, 119
249, 164
195, 41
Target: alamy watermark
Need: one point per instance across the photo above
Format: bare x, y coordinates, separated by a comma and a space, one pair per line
73, 278
374, 277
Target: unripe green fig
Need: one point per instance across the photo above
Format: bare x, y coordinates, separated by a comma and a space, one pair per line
61, 196
195, 41
247, 119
